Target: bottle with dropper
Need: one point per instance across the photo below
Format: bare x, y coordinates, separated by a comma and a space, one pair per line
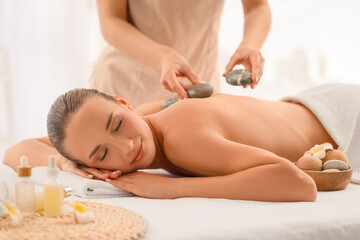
53, 190
24, 189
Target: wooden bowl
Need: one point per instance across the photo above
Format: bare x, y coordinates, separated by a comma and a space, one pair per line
331, 181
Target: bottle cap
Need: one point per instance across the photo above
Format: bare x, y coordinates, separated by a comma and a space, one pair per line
67, 191
24, 170
52, 171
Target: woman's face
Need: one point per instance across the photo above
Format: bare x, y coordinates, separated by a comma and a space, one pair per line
109, 135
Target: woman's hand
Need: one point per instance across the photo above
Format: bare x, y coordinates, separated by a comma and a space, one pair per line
86, 172
174, 66
251, 59
146, 185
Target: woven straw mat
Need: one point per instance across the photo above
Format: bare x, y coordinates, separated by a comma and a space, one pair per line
110, 223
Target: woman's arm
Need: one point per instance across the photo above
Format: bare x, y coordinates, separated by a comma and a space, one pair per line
277, 182
38, 151
232, 170
239, 171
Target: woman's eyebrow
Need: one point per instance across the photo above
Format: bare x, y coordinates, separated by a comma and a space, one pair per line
109, 121
94, 151
106, 127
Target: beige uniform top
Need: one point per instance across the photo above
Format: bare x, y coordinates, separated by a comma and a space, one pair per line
188, 26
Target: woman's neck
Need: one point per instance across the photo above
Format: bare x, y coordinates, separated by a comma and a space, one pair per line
160, 160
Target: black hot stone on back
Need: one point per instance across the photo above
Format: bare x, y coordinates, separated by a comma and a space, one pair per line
169, 102
201, 90
239, 77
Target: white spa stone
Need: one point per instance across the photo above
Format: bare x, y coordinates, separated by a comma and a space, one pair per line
331, 170
335, 164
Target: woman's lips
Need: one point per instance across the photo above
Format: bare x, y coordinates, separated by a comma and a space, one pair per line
140, 153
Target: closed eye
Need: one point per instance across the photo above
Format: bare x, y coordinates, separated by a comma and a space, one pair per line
117, 128
105, 153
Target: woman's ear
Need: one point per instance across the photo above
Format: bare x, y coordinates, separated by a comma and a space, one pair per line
124, 102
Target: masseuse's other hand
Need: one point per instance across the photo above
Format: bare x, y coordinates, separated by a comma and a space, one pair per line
86, 172
173, 67
251, 59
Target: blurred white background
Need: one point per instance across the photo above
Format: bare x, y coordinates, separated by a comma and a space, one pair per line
48, 47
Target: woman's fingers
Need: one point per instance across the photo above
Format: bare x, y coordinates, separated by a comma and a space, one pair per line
115, 174
95, 172
81, 173
100, 173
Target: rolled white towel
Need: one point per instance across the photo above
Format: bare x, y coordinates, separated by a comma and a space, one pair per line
81, 187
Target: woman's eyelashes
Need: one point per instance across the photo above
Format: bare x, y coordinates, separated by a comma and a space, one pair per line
105, 153
117, 128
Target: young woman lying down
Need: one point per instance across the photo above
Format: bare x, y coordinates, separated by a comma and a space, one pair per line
225, 146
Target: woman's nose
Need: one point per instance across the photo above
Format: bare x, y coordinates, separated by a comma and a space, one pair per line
125, 146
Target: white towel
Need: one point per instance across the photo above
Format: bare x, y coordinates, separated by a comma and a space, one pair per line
337, 106
81, 187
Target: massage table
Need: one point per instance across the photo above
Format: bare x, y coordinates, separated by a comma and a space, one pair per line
333, 216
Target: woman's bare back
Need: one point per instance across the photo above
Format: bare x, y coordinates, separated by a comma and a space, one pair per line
284, 128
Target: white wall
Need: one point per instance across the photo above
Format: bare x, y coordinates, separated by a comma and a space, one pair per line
53, 44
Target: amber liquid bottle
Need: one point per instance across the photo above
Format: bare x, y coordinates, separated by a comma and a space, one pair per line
53, 190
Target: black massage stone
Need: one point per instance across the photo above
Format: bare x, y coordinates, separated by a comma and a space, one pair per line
169, 102
201, 90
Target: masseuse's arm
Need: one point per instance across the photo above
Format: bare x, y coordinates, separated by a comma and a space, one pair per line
226, 169
129, 40
257, 18
257, 22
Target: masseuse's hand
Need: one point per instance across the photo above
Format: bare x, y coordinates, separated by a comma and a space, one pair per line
146, 185
173, 67
86, 172
250, 58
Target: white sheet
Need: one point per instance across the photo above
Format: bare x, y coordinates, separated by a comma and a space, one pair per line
334, 216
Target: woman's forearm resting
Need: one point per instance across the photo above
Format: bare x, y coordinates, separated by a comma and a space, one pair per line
276, 182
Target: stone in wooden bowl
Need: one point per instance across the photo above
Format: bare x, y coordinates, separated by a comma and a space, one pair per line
331, 181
